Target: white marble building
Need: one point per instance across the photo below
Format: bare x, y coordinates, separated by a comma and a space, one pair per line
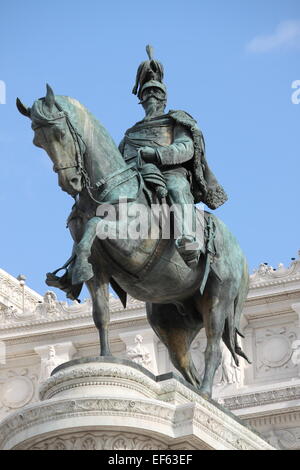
37, 333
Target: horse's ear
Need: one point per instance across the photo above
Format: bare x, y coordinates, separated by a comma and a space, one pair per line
49, 98
23, 109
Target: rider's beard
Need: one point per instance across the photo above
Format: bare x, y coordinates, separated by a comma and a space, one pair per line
153, 107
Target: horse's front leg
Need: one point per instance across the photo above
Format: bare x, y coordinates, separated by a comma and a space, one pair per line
82, 270
98, 288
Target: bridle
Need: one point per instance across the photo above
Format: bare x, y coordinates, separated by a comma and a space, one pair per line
104, 185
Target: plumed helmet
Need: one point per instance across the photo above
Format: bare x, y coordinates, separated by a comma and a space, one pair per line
149, 74
153, 84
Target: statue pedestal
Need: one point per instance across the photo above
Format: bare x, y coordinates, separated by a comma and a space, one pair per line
108, 403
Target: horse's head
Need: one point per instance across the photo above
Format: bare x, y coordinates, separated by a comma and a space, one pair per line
54, 132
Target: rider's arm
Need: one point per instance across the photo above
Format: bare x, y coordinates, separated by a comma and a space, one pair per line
180, 151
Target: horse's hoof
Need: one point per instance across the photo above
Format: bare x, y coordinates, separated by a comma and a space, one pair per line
82, 273
205, 394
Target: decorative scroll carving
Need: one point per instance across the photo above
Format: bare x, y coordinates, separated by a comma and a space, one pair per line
98, 440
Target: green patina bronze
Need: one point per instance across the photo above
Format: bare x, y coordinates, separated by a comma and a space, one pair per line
186, 285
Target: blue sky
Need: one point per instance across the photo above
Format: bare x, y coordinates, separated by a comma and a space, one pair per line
229, 64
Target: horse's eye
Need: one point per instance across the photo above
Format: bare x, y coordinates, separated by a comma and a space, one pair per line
59, 133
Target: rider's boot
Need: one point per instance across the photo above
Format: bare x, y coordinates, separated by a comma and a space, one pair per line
184, 212
185, 233
189, 249
64, 282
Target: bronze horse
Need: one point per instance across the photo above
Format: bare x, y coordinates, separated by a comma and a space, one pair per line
91, 169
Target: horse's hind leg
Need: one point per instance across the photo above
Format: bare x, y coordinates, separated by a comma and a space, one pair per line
214, 310
177, 333
98, 288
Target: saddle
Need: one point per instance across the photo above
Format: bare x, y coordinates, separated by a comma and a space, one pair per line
154, 182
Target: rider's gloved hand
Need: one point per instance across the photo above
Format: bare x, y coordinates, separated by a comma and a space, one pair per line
149, 155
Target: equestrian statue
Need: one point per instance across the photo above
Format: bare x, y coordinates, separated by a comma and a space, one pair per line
195, 277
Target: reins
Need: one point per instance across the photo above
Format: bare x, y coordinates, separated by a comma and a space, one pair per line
101, 185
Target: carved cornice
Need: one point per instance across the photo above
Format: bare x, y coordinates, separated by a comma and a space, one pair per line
261, 398
52, 411
206, 416
48, 312
11, 293
51, 312
278, 418
266, 276
90, 375
27, 334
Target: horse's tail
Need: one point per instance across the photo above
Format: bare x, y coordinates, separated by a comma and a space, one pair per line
232, 322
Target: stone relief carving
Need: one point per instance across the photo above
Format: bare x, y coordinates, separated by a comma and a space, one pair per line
197, 351
274, 348
17, 388
223, 433
261, 398
98, 440
284, 439
7, 313
52, 356
48, 364
139, 354
296, 354
272, 438
229, 372
263, 269
50, 301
